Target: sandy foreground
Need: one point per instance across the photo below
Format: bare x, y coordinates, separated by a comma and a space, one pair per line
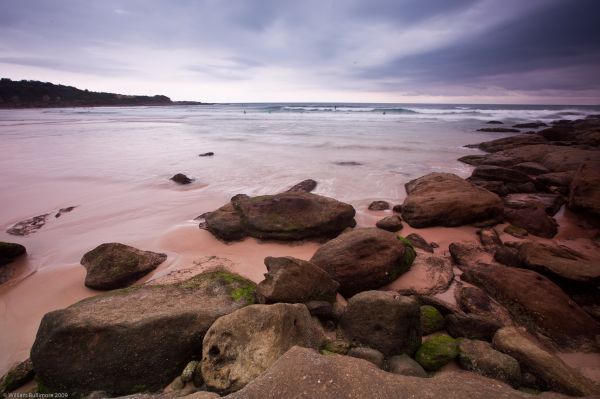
50, 277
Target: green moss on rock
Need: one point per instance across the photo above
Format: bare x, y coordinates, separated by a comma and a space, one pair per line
431, 320
436, 352
338, 346
238, 287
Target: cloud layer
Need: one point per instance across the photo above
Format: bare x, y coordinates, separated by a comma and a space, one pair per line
326, 50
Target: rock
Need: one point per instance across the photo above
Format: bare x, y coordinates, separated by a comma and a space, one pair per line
405, 365
397, 208
466, 253
28, 226
180, 178
507, 143
481, 358
240, 346
379, 206
445, 308
303, 373
472, 159
368, 354
436, 352
321, 309
62, 211
559, 181
431, 320
138, 338
559, 261
498, 130
526, 153
364, 259
16, 377
549, 368
383, 320
294, 280
531, 168
533, 219
428, 275
390, 223
530, 125
585, 188
508, 256
551, 203
348, 163
447, 200
515, 231
568, 158
338, 346
113, 265
188, 372
10, 251
472, 326
475, 301
498, 173
286, 216
419, 242
489, 238
537, 303
494, 123
207, 154
496, 187
305, 186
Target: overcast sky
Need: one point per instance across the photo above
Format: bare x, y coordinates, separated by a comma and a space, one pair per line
494, 51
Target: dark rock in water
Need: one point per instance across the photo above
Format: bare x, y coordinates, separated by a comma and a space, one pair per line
507, 143
497, 173
444, 199
585, 188
559, 261
531, 168
530, 125
473, 159
285, 216
472, 326
303, 373
113, 265
481, 358
533, 219
207, 154
368, 354
397, 208
495, 123
551, 203
520, 291
62, 211
383, 320
294, 280
550, 369
16, 377
390, 223
474, 300
498, 130
10, 251
436, 352
28, 226
431, 320
238, 347
180, 178
306, 186
379, 206
364, 259
138, 338
348, 163
419, 242
405, 365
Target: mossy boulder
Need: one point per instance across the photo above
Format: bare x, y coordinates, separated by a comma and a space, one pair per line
10, 251
113, 265
436, 352
136, 337
17, 376
431, 320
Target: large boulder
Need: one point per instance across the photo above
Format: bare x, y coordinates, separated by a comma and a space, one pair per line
444, 199
472, 326
555, 374
240, 346
474, 300
10, 251
585, 188
428, 275
291, 215
480, 357
559, 261
383, 320
569, 159
113, 265
295, 281
364, 259
303, 373
135, 339
537, 303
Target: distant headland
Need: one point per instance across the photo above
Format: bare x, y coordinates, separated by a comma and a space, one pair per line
36, 94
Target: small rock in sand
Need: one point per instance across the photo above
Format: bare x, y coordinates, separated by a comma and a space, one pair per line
379, 206
180, 178
390, 223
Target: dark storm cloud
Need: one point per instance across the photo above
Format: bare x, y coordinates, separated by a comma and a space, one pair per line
417, 47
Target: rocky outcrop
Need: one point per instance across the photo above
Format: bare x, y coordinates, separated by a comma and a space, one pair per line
585, 188
303, 373
506, 143
530, 125
28, 226
113, 265
444, 199
550, 203
481, 358
436, 352
294, 280
556, 375
238, 347
364, 259
138, 338
383, 320
305, 186
390, 223
537, 303
498, 130
287, 216
10, 251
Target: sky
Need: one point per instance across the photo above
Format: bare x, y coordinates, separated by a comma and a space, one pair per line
433, 51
